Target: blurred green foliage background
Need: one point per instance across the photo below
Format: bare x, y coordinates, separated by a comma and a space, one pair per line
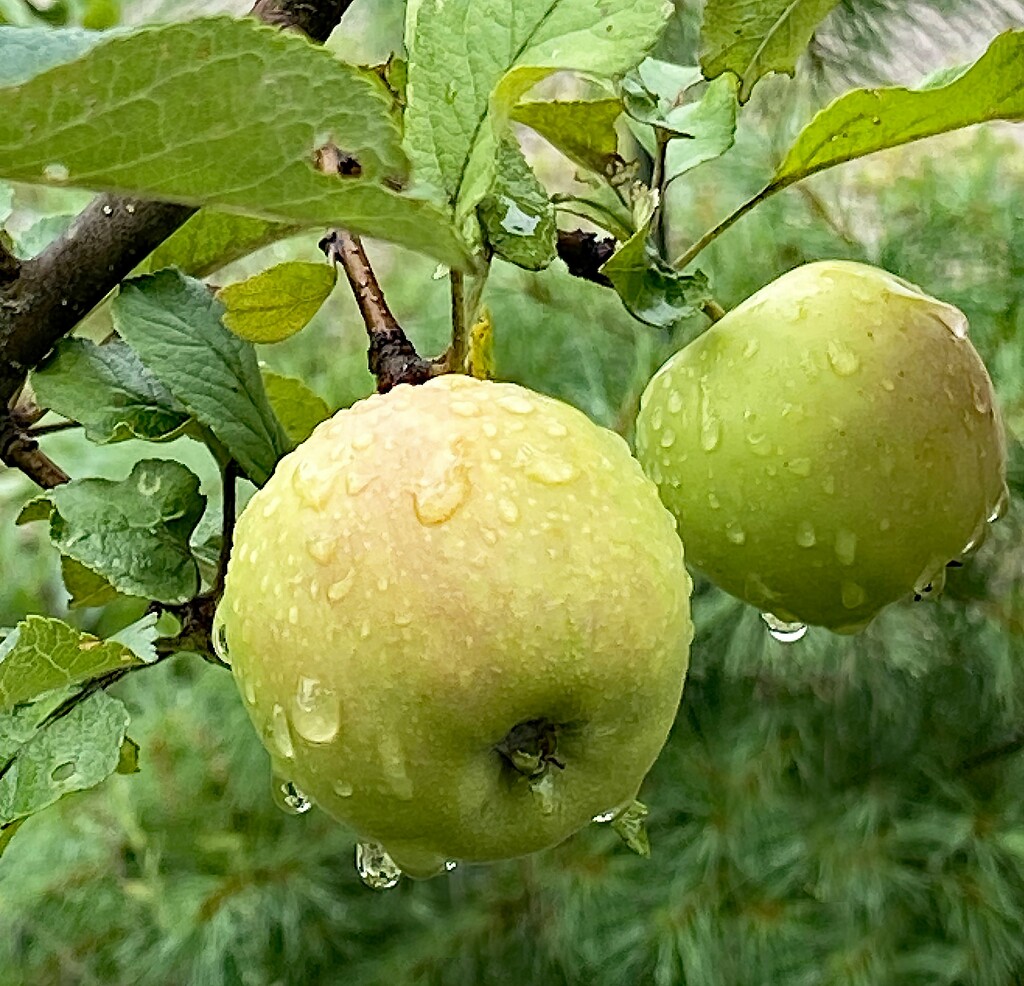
816, 818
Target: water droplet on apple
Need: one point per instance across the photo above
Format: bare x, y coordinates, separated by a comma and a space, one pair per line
220, 642
735, 533
362, 440
515, 404
784, 631
1002, 505
249, 690
675, 402
312, 485
846, 546
852, 595
805, 536
751, 348
280, 732
507, 510
288, 797
668, 438
442, 489
842, 359
464, 409
342, 789
713, 501
449, 865
710, 425
549, 470
605, 816
543, 789
799, 466
375, 867
338, 590
316, 713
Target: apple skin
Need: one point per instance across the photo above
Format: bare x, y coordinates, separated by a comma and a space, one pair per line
433, 567
827, 446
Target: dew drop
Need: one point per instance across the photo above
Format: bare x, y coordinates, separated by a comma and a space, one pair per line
805, 536
852, 595
357, 481
362, 440
713, 501
846, 546
675, 402
887, 384
751, 348
1002, 505
515, 404
710, 426
442, 489
340, 589
56, 172
108, 210
342, 789
288, 797
784, 631
220, 642
543, 789
657, 418
605, 816
449, 865
321, 549
316, 714
549, 470
735, 533
280, 732
249, 690
375, 867
668, 438
63, 771
508, 511
557, 430
489, 428
464, 409
800, 466
842, 359
311, 485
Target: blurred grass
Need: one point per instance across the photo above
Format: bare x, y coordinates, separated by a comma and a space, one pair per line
188, 874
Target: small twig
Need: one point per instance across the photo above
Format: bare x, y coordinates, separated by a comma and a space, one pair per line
392, 357
713, 310
229, 476
460, 330
53, 429
20, 451
685, 259
1007, 749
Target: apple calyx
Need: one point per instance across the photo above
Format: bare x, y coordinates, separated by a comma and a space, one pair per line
529, 748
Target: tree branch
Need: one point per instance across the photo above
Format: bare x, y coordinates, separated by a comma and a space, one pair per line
20, 451
392, 357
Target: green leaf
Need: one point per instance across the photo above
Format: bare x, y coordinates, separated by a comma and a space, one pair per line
210, 240
132, 532
867, 120
174, 324
459, 52
754, 37
630, 826
278, 302
7, 833
655, 88
711, 124
29, 51
583, 130
85, 587
41, 655
260, 104
38, 236
297, 407
652, 291
108, 390
517, 216
128, 758
72, 753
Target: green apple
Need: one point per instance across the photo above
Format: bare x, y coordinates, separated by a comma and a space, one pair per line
828, 446
459, 618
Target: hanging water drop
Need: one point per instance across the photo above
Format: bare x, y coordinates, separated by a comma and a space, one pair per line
1002, 505
449, 865
280, 733
784, 631
375, 867
316, 713
288, 797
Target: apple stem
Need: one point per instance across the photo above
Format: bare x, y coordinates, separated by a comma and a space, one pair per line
392, 358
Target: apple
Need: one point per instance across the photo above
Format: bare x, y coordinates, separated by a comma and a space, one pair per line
828, 446
459, 618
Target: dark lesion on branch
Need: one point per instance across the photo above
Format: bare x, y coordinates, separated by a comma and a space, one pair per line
392, 358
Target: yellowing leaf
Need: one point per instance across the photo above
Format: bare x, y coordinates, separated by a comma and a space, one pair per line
278, 302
